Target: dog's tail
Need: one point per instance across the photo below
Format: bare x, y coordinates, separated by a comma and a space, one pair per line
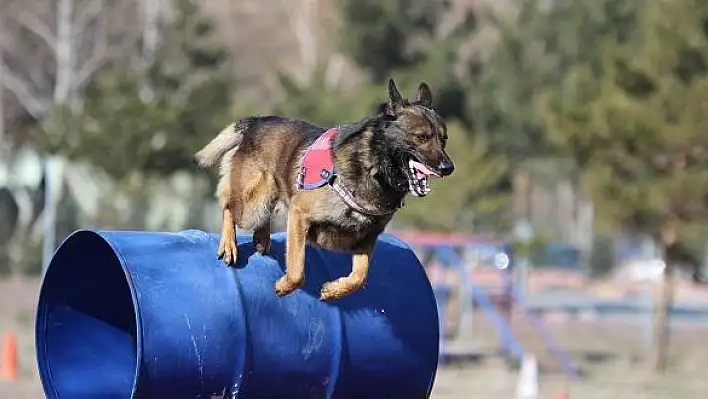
229, 138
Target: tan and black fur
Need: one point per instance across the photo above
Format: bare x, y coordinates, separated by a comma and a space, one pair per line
259, 163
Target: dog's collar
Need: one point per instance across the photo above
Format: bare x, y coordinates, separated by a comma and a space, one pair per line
317, 169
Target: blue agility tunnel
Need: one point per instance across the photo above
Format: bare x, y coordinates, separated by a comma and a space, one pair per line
156, 315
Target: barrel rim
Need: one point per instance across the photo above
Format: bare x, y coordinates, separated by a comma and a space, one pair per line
42, 313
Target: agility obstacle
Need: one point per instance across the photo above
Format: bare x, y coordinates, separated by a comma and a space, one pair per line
156, 315
444, 250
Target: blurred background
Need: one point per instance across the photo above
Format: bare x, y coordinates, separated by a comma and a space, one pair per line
573, 226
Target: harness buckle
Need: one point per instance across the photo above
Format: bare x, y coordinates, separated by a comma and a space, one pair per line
327, 175
301, 178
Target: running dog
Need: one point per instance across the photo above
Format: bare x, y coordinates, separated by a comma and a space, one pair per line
341, 186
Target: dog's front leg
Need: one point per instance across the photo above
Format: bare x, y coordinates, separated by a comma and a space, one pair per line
344, 286
297, 227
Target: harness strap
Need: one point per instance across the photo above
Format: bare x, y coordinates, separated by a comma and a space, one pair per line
348, 198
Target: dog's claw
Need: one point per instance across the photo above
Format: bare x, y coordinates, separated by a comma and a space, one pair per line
284, 286
228, 251
336, 289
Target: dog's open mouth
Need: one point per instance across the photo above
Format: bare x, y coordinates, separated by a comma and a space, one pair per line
418, 174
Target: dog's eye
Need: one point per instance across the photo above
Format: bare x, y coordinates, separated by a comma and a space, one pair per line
424, 138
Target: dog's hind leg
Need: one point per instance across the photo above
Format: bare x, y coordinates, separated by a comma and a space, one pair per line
228, 247
261, 238
344, 286
259, 204
231, 207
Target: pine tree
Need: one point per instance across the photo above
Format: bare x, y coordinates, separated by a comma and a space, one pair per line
402, 39
536, 47
377, 35
633, 117
320, 104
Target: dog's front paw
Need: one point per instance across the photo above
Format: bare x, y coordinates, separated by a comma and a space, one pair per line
228, 251
284, 286
336, 289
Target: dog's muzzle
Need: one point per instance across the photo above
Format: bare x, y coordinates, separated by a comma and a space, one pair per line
418, 174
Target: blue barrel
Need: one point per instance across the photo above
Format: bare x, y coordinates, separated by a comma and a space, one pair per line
156, 315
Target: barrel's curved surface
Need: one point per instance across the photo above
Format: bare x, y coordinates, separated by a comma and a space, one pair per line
156, 315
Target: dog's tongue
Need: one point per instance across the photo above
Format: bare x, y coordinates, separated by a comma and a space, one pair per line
421, 170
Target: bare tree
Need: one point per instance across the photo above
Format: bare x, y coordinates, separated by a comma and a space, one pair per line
2, 102
53, 50
154, 15
302, 20
305, 19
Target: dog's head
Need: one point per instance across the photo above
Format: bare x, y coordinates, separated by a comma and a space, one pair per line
416, 136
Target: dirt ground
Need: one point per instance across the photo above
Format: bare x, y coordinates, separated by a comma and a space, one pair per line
604, 350
608, 355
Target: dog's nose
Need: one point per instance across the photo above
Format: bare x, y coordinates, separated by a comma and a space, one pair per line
446, 167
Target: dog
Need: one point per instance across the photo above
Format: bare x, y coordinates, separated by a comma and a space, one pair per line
340, 186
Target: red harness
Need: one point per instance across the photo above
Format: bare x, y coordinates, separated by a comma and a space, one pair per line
317, 165
317, 170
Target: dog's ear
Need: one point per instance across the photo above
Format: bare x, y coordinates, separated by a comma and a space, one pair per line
393, 94
424, 96
395, 99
